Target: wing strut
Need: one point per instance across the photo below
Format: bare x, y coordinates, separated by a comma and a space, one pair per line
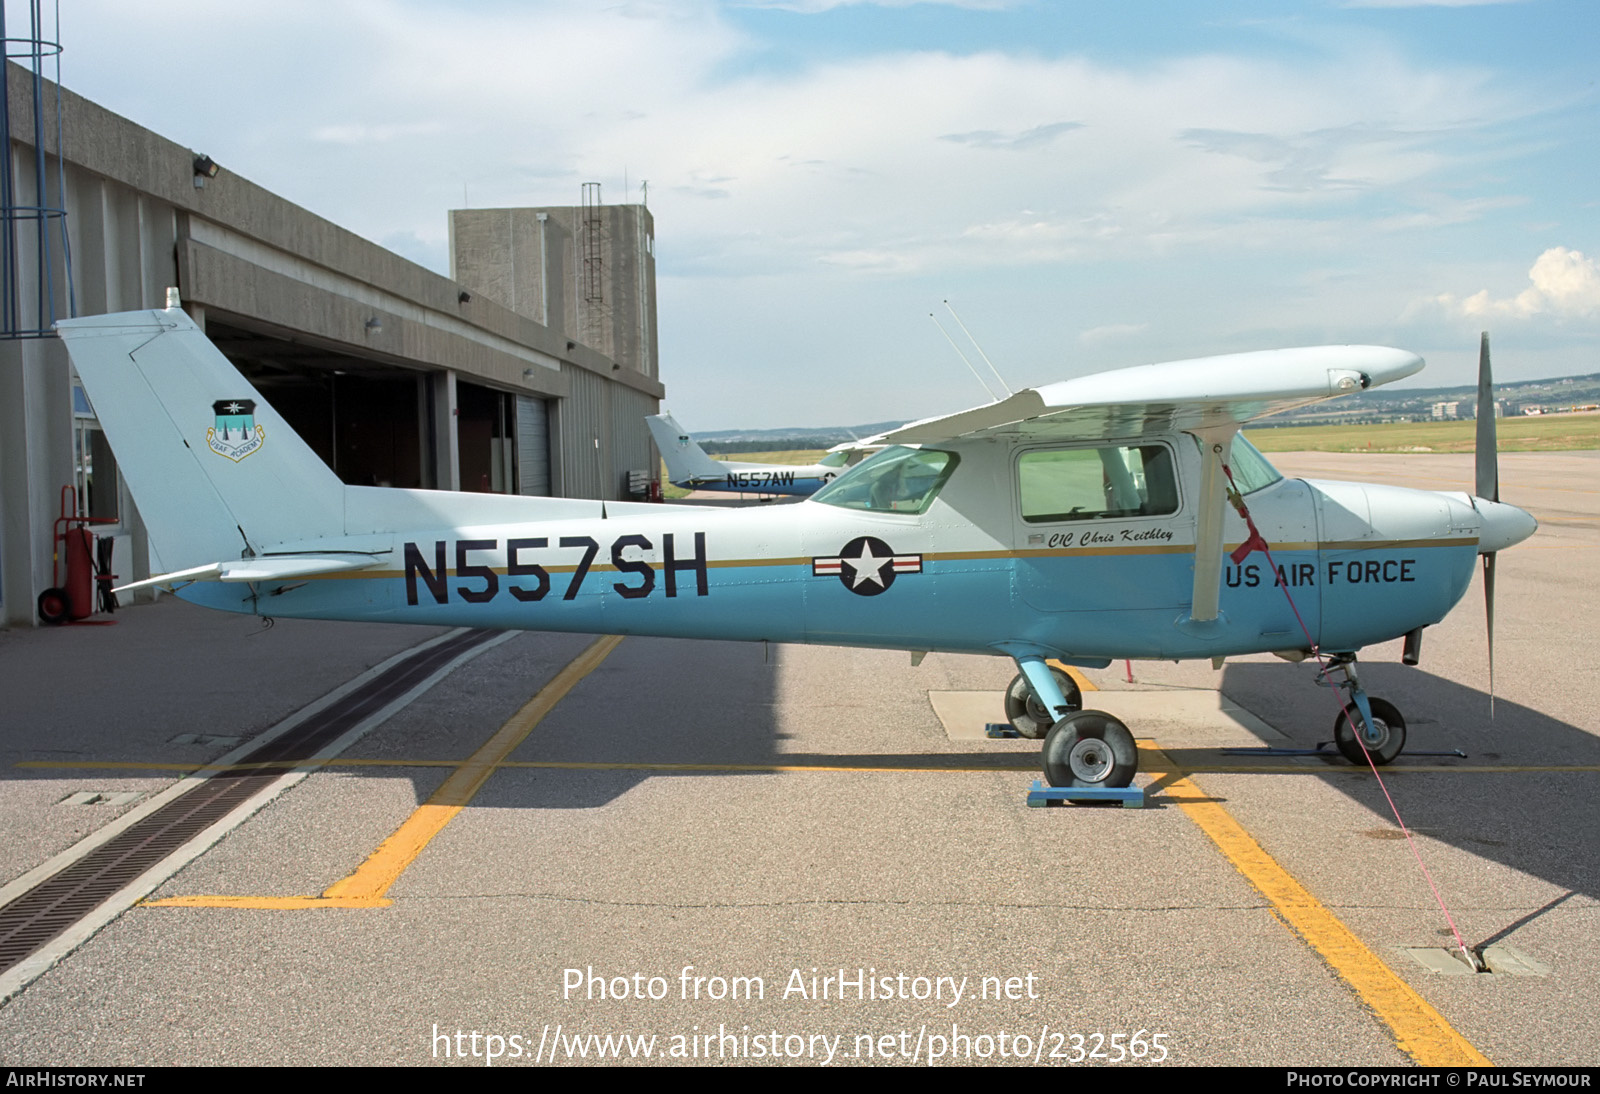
1215, 443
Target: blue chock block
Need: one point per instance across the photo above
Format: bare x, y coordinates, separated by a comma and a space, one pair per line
1131, 797
1000, 729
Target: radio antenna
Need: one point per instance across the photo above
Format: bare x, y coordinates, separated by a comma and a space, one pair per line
976, 375
1003, 385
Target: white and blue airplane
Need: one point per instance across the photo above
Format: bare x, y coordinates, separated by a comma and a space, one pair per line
1120, 515
689, 467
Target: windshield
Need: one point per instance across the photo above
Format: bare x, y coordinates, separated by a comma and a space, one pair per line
1251, 471
896, 480
834, 459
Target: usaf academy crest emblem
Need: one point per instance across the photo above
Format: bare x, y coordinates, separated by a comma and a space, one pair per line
235, 434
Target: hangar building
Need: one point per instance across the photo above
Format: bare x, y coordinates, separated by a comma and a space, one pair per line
529, 371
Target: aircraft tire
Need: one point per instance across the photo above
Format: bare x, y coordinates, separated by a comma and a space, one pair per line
1392, 743
1027, 714
1090, 748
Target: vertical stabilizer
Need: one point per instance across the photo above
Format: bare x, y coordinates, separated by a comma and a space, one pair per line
216, 473
686, 461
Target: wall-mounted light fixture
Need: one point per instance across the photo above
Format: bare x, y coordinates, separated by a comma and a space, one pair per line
465, 297
572, 346
204, 168
374, 325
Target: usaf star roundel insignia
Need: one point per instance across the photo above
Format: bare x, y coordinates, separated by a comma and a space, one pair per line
867, 566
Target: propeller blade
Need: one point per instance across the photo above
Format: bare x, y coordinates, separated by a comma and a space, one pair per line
1488, 603
1488, 448
1488, 487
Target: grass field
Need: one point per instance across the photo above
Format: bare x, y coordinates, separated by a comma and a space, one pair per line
1544, 433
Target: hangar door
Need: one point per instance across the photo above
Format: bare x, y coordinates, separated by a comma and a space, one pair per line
533, 446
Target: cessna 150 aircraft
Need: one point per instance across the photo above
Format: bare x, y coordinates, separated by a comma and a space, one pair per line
688, 466
1082, 521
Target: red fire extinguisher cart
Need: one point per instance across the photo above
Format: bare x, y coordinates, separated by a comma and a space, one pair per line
74, 575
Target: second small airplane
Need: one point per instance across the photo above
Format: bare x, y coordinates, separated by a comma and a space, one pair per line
689, 467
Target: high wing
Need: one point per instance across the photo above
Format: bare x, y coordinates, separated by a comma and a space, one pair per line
1190, 396
1208, 397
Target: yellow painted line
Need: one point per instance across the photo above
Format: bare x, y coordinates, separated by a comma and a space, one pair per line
1419, 1030
955, 767
366, 887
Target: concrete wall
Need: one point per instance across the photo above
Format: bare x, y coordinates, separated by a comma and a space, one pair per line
532, 261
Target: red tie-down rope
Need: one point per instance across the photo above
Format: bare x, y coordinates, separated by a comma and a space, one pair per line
1257, 542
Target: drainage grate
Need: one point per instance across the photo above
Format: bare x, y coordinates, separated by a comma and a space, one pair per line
55, 904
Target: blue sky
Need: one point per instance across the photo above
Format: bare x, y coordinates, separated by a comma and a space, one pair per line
1091, 185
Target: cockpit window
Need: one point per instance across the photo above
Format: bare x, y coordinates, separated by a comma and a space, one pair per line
896, 480
1251, 471
834, 459
1094, 483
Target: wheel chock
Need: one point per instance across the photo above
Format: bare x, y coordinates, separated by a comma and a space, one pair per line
1000, 730
1130, 797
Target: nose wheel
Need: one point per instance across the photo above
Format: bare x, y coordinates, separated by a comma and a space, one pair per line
1383, 739
1366, 727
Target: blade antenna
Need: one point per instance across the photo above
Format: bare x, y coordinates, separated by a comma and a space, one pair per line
1487, 459
975, 373
1003, 385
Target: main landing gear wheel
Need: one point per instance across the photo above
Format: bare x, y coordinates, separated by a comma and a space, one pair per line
1027, 714
1090, 748
1383, 745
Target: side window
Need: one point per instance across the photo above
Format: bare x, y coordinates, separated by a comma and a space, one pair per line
1096, 483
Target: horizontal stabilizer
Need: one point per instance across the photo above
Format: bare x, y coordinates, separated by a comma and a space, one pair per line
258, 569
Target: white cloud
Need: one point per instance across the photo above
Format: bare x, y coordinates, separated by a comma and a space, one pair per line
1565, 284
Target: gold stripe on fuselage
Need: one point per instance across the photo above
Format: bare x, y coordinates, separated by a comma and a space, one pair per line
971, 556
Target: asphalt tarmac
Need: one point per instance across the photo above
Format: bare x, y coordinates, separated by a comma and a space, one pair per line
711, 851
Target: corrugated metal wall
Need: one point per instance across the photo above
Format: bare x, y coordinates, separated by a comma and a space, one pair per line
630, 437
598, 409
582, 429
